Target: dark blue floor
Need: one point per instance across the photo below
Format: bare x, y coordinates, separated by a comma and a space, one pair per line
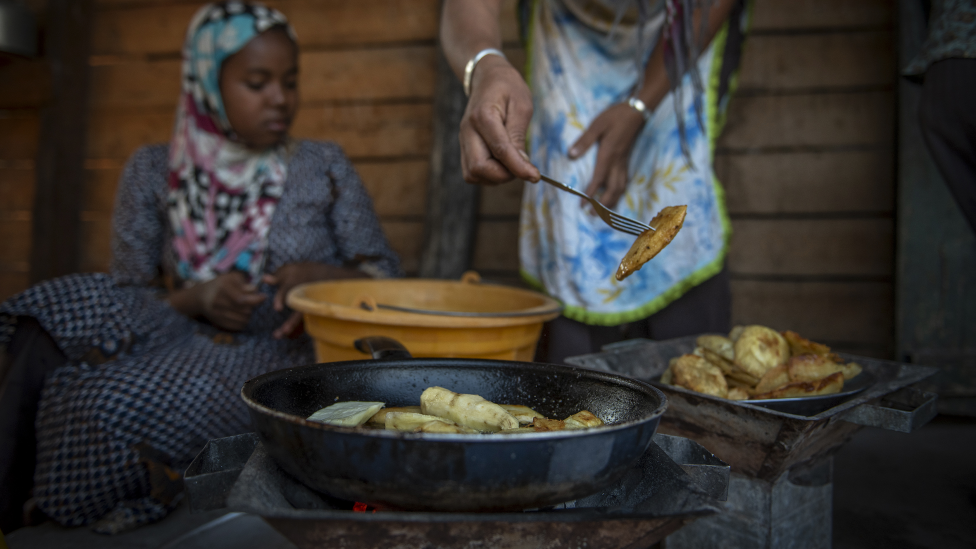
894, 490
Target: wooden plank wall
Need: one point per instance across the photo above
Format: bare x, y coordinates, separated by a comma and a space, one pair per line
807, 159
24, 91
807, 162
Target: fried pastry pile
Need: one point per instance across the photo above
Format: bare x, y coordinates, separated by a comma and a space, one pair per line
758, 363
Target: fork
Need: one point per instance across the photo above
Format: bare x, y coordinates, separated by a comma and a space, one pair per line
610, 217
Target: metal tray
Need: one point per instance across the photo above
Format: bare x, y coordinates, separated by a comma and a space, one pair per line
761, 441
646, 360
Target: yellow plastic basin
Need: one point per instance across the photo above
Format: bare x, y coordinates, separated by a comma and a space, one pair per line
460, 319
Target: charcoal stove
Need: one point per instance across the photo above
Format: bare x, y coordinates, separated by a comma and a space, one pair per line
781, 487
674, 483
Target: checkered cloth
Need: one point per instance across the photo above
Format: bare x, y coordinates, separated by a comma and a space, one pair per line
146, 387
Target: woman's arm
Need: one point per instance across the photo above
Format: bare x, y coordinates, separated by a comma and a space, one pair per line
468, 27
656, 82
361, 245
188, 301
616, 128
359, 236
493, 128
138, 229
293, 274
227, 301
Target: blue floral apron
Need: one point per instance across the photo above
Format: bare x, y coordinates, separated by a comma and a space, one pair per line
576, 72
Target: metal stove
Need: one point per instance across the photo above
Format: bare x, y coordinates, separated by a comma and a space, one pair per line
676, 482
781, 487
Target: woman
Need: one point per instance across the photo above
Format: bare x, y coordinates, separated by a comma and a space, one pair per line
230, 215
628, 99
946, 67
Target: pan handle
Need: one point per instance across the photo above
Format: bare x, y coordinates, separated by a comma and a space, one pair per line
382, 348
903, 411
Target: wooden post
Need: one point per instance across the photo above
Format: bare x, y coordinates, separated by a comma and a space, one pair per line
452, 203
61, 152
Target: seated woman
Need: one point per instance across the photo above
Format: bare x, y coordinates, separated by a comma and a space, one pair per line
231, 215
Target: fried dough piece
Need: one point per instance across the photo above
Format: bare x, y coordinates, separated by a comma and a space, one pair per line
800, 345
695, 373
582, 420
667, 224
774, 378
523, 414
827, 386
412, 423
729, 369
720, 345
759, 349
443, 427
541, 424
851, 370
738, 393
742, 377
379, 418
736, 332
810, 367
667, 377
732, 382
718, 360
470, 411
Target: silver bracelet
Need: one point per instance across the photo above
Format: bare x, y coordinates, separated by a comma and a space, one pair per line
640, 107
469, 68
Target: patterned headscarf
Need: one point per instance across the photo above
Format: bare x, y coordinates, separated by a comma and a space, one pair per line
222, 195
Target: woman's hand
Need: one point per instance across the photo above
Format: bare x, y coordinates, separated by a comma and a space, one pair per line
226, 301
492, 132
293, 274
615, 129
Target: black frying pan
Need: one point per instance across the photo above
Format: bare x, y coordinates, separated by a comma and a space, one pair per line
452, 472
